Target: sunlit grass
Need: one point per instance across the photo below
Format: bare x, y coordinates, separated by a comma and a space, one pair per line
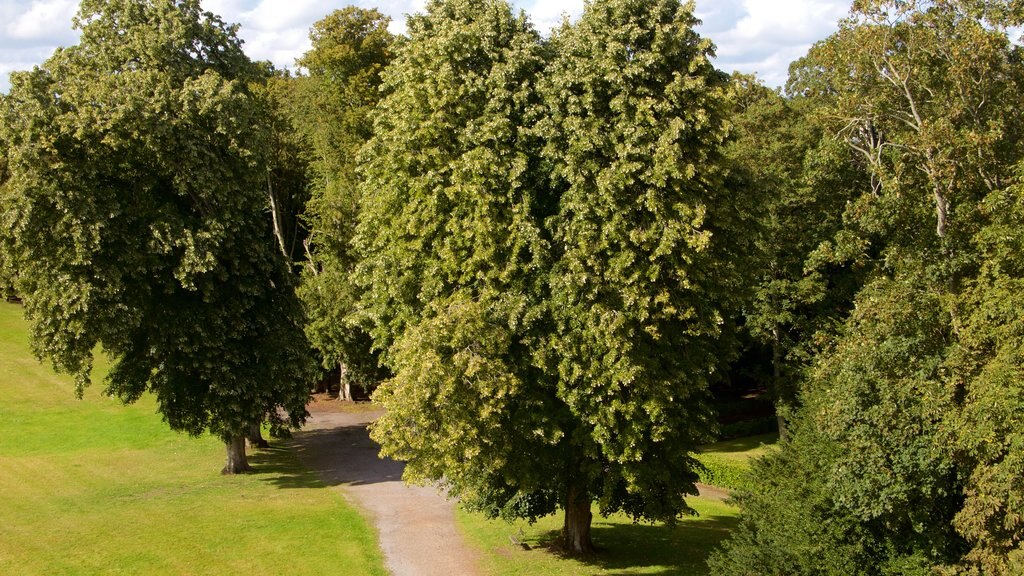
742, 450
94, 487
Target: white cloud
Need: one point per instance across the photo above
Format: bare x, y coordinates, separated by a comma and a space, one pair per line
44, 20
752, 35
547, 14
766, 36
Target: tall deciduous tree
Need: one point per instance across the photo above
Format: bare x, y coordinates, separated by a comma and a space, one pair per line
136, 207
646, 249
987, 432
452, 259
545, 264
6, 270
333, 113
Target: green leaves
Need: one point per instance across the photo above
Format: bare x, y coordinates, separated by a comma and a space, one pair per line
543, 239
332, 112
137, 161
916, 394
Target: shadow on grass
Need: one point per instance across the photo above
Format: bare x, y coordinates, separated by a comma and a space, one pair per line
277, 466
623, 548
742, 444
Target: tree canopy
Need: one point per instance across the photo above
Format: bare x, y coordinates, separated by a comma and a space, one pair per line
136, 221
333, 113
923, 95
543, 246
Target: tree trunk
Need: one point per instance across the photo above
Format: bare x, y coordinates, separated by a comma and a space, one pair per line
237, 463
256, 439
576, 530
278, 232
344, 387
777, 379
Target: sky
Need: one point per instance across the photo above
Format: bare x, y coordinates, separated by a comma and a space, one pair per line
752, 36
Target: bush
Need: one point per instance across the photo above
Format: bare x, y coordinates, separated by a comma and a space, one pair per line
724, 473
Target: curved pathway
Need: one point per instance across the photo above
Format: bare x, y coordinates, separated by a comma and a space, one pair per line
415, 524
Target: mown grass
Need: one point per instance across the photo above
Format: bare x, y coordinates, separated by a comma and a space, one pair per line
742, 450
94, 487
623, 547
727, 463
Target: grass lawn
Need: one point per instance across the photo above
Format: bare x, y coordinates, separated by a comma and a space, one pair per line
93, 487
624, 547
741, 450
727, 463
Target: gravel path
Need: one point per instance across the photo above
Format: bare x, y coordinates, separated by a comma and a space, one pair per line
415, 524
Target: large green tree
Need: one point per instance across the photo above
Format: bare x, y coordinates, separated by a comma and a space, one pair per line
544, 248
784, 157
452, 256
136, 218
987, 432
647, 252
333, 113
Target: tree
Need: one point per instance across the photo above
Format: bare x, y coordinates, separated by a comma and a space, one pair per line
138, 166
451, 257
543, 258
6, 273
987, 433
287, 180
803, 178
646, 272
924, 94
333, 113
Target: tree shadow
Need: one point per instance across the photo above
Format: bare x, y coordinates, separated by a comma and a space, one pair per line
277, 465
327, 457
743, 444
624, 549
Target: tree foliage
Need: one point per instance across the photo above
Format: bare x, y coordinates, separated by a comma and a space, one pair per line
333, 115
802, 178
987, 366
642, 279
136, 203
543, 237
451, 251
924, 95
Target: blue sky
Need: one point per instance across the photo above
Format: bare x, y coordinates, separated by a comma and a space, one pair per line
761, 36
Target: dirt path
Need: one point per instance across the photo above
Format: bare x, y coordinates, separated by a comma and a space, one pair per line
713, 492
416, 525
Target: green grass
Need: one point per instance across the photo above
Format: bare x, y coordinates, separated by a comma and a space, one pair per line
741, 450
623, 547
94, 487
727, 463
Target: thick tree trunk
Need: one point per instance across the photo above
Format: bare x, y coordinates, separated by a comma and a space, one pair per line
256, 439
344, 387
576, 530
237, 463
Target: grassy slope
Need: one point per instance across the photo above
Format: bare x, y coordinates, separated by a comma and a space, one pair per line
92, 486
728, 462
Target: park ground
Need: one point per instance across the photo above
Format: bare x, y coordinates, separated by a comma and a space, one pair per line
95, 487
